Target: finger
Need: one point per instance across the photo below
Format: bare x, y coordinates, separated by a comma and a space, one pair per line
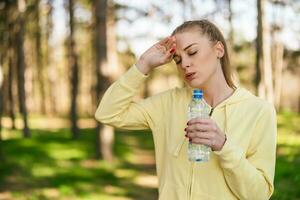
200, 120
171, 52
199, 127
201, 141
170, 43
164, 41
201, 135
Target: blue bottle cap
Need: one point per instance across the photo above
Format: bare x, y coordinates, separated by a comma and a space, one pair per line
198, 94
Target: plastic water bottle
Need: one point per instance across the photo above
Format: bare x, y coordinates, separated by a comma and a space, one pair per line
198, 108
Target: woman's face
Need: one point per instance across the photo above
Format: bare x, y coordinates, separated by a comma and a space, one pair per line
196, 57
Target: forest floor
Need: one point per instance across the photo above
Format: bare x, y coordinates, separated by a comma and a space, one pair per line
50, 165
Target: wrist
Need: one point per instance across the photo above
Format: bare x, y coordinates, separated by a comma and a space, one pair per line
225, 139
141, 64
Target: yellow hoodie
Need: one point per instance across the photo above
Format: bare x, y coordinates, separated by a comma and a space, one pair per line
243, 169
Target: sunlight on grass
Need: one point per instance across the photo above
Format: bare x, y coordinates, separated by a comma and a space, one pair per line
67, 154
42, 171
125, 173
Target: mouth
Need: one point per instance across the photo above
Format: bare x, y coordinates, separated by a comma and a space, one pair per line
190, 76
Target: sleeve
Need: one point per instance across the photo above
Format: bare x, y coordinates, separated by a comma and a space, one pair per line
118, 109
252, 176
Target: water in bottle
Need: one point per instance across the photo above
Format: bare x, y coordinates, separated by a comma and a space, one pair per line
198, 108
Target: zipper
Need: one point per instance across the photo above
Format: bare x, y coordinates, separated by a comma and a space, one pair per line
211, 111
190, 186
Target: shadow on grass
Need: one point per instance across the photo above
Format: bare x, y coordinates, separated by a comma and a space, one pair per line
287, 176
51, 160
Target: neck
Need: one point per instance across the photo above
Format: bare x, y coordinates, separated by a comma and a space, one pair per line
216, 89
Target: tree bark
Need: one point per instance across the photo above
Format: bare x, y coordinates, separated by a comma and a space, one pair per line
51, 78
11, 71
38, 57
104, 133
1, 93
264, 80
73, 62
21, 66
278, 50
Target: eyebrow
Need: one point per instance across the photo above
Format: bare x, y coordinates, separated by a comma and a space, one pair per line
189, 46
186, 48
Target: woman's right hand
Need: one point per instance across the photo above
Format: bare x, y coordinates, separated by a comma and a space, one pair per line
159, 54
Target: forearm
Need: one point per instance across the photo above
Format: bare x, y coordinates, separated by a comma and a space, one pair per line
246, 180
118, 98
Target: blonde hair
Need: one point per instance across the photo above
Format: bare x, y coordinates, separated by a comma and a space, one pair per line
210, 30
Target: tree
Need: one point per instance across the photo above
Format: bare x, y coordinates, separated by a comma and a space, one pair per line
105, 134
264, 81
11, 54
38, 55
48, 7
21, 65
73, 64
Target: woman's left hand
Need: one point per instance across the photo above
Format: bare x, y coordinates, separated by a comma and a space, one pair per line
205, 131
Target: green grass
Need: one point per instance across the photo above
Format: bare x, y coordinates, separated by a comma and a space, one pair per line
50, 165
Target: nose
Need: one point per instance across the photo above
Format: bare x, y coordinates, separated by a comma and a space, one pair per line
185, 63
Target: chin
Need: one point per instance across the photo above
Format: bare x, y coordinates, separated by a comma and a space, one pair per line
194, 83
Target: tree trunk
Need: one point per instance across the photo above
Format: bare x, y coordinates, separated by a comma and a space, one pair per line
21, 65
1, 93
104, 133
11, 72
73, 62
231, 41
278, 50
11, 110
38, 58
264, 80
52, 81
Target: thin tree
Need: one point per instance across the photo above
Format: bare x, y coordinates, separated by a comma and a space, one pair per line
51, 78
38, 56
264, 81
277, 49
21, 65
1, 94
73, 63
104, 133
11, 71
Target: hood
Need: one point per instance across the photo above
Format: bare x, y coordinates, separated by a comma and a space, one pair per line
240, 94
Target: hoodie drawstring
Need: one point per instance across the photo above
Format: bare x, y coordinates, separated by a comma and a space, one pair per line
225, 123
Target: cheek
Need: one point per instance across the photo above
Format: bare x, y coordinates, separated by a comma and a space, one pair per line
207, 63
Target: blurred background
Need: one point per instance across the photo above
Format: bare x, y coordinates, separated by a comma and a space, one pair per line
57, 57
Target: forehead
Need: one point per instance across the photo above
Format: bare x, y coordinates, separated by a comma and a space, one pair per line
183, 39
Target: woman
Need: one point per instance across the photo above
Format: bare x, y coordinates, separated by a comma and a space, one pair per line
241, 131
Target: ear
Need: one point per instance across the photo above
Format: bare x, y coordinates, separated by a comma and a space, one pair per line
219, 49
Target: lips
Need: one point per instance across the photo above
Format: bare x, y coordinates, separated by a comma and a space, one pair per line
190, 75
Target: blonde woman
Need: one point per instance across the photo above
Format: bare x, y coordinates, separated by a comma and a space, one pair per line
241, 131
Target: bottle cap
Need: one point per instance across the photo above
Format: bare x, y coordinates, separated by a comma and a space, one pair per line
198, 94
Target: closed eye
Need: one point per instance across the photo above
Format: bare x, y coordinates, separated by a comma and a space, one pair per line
193, 53
178, 60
